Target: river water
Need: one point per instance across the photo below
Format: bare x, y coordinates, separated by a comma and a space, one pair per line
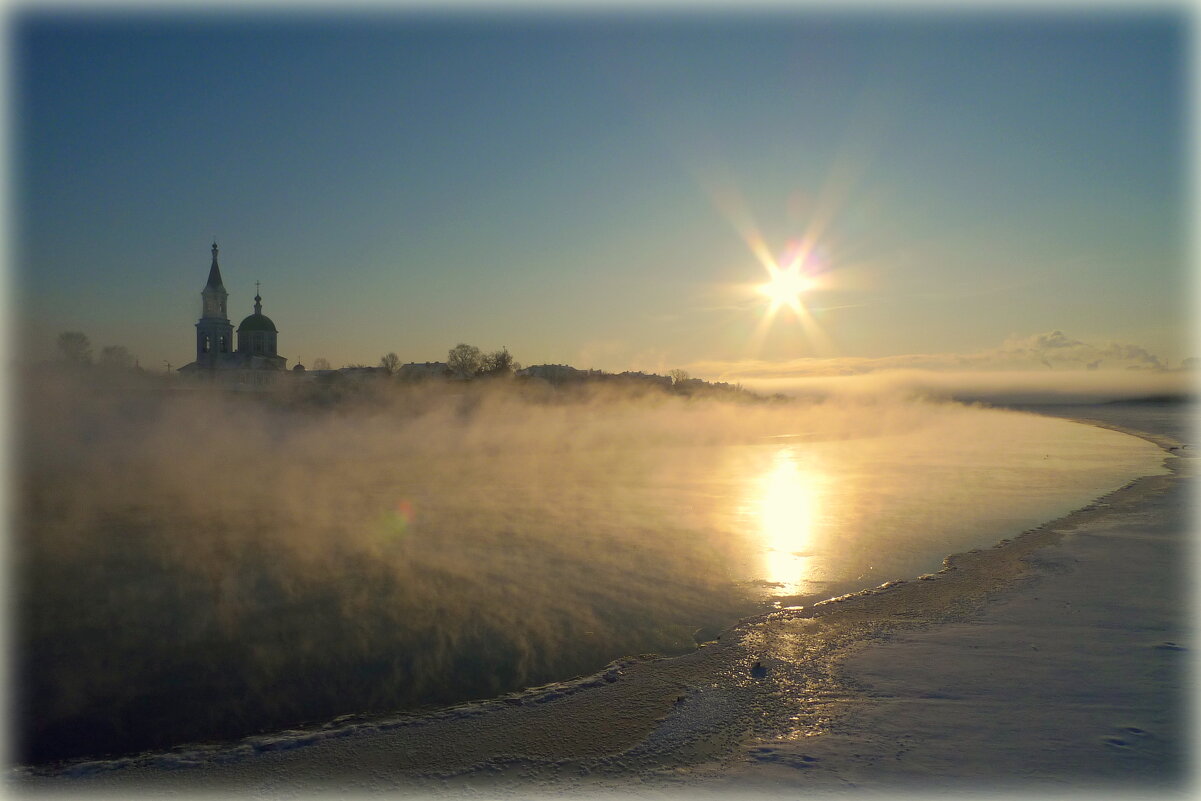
187, 582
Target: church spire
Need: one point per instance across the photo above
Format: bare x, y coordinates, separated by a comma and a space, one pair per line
215, 271
214, 334
258, 302
214, 293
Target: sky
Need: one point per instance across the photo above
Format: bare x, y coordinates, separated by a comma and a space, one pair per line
604, 189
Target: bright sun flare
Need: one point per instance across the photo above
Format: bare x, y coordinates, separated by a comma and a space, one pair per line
785, 288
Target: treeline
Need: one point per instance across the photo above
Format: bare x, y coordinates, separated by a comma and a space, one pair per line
462, 361
464, 364
75, 349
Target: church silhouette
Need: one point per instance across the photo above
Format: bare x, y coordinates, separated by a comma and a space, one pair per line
254, 362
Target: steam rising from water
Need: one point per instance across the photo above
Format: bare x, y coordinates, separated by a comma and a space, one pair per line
201, 566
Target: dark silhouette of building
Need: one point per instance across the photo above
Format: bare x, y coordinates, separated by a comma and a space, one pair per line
256, 360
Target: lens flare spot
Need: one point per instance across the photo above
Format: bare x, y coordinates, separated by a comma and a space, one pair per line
397, 520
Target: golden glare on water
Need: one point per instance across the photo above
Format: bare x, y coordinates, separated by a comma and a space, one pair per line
787, 498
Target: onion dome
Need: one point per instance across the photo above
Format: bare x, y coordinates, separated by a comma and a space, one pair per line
257, 321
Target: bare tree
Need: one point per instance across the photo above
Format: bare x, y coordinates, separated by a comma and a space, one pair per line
116, 357
75, 347
678, 376
390, 363
464, 360
320, 363
499, 362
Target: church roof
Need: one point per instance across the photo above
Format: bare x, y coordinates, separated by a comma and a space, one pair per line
257, 322
214, 281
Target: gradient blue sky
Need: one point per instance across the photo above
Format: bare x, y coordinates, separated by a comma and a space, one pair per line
573, 186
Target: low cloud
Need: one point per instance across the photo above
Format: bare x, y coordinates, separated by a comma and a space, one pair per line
1056, 349
1050, 363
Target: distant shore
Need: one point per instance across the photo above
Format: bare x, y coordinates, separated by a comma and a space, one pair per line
745, 713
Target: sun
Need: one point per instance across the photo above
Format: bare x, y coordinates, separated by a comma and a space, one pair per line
785, 288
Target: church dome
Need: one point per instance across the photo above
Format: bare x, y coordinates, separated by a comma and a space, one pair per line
257, 322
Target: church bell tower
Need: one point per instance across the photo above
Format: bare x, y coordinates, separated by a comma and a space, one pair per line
214, 332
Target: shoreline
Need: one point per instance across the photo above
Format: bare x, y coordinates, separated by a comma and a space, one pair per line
777, 677
1073, 679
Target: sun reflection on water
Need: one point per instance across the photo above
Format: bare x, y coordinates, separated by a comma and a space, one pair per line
786, 498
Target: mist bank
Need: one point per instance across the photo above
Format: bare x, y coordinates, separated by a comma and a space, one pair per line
777, 694
197, 564
999, 386
200, 565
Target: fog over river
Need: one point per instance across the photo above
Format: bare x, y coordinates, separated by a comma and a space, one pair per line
194, 566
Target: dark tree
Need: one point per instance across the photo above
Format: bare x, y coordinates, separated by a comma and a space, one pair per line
464, 360
390, 363
499, 363
74, 347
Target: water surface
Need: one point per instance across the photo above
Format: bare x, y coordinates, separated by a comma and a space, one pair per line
218, 567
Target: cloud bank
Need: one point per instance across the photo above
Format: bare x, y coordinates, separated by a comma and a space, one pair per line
1044, 366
